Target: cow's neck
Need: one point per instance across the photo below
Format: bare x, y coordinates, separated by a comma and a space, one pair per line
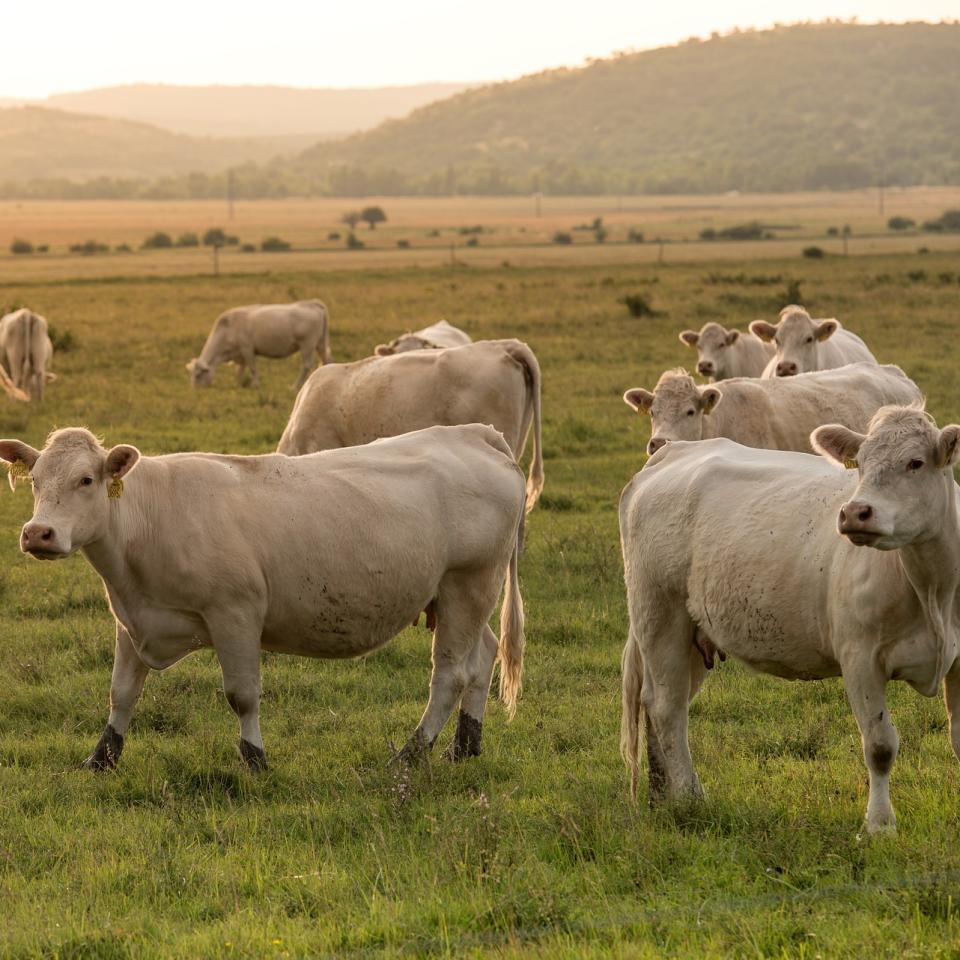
933, 570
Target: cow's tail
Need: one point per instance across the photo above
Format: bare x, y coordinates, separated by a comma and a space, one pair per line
327, 356
632, 670
511, 629
524, 355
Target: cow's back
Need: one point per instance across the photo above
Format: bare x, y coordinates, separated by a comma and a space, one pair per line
842, 348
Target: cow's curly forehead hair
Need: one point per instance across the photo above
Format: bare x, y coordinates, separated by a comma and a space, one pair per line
795, 314
675, 383
713, 331
891, 428
73, 439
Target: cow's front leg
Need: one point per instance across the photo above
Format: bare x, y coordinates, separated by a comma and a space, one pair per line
466, 740
306, 365
238, 651
865, 691
249, 360
951, 694
129, 674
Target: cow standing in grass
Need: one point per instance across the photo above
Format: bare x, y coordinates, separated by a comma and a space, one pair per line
722, 353
777, 414
275, 330
26, 354
492, 381
803, 344
800, 569
328, 555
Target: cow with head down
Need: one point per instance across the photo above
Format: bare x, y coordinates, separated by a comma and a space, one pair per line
26, 354
329, 555
434, 337
723, 354
803, 344
777, 414
801, 569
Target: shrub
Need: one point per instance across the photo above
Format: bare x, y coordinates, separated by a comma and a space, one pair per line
916, 276
833, 232
158, 241
813, 253
89, 248
274, 245
354, 242
351, 218
600, 234
188, 240
561, 236
215, 237
248, 248
403, 244
466, 231
708, 233
638, 305
21, 246
634, 235
900, 223
43, 248
123, 248
793, 293
333, 235
473, 242
948, 222
62, 342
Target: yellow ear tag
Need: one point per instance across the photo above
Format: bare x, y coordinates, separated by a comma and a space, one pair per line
18, 469
850, 464
115, 490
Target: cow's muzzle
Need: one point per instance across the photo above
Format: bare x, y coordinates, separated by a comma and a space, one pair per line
857, 522
786, 368
705, 368
40, 541
655, 444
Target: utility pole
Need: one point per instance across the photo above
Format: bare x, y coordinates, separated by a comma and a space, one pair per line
537, 197
230, 186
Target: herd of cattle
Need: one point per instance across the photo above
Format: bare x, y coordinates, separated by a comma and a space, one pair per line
736, 540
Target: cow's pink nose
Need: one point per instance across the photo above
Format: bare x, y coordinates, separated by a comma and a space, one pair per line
854, 514
36, 535
705, 368
786, 369
655, 444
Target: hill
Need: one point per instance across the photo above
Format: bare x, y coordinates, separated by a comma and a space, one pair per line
254, 111
39, 144
830, 105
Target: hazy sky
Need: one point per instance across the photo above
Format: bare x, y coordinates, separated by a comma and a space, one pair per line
53, 46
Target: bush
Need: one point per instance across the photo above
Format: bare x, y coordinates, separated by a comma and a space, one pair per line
274, 245
600, 234
638, 305
740, 231
248, 248
634, 235
43, 248
215, 237
158, 241
333, 235
123, 248
561, 236
188, 240
473, 242
814, 253
948, 222
900, 223
89, 248
793, 293
403, 244
21, 246
353, 242
833, 232
708, 234
466, 231
62, 342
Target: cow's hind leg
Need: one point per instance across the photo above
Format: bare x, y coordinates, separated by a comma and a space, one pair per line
951, 694
464, 604
466, 740
126, 685
306, 363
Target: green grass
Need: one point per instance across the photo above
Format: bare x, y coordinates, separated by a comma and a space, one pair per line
534, 847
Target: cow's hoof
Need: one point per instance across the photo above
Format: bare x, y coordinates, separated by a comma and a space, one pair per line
414, 750
466, 741
106, 753
253, 757
870, 830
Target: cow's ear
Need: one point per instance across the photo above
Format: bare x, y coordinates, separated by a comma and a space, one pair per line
826, 329
689, 337
837, 443
120, 461
17, 452
709, 398
732, 337
948, 446
763, 331
383, 350
641, 400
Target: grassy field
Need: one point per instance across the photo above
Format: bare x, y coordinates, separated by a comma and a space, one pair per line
534, 847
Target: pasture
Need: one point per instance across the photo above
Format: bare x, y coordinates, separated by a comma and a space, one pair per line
534, 847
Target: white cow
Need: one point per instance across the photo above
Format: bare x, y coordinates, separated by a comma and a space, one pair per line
26, 354
329, 555
742, 545
440, 334
777, 414
491, 381
803, 344
722, 353
274, 330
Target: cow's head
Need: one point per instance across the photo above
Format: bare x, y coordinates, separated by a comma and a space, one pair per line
795, 337
201, 374
712, 343
71, 477
905, 466
404, 344
676, 408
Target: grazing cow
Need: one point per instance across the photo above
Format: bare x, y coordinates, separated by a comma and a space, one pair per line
722, 353
275, 330
26, 354
742, 545
776, 414
803, 344
441, 334
327, 556
492, 381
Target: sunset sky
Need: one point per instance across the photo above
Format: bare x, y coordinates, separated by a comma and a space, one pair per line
56, 46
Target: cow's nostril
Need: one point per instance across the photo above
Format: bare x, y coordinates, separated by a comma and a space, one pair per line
47, 534
864, 513
843, 515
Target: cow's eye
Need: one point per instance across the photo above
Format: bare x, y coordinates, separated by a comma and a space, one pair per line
809, 339
86, 481
690, 413
914, 464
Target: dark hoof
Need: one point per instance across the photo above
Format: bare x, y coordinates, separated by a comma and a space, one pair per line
466, 741
415, 749
254, 757
106, 753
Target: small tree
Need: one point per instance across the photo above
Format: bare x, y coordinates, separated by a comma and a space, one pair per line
21, 246
274, 245
900, 223
158, 241
372, 216
351, 219
188, 240
214, 237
